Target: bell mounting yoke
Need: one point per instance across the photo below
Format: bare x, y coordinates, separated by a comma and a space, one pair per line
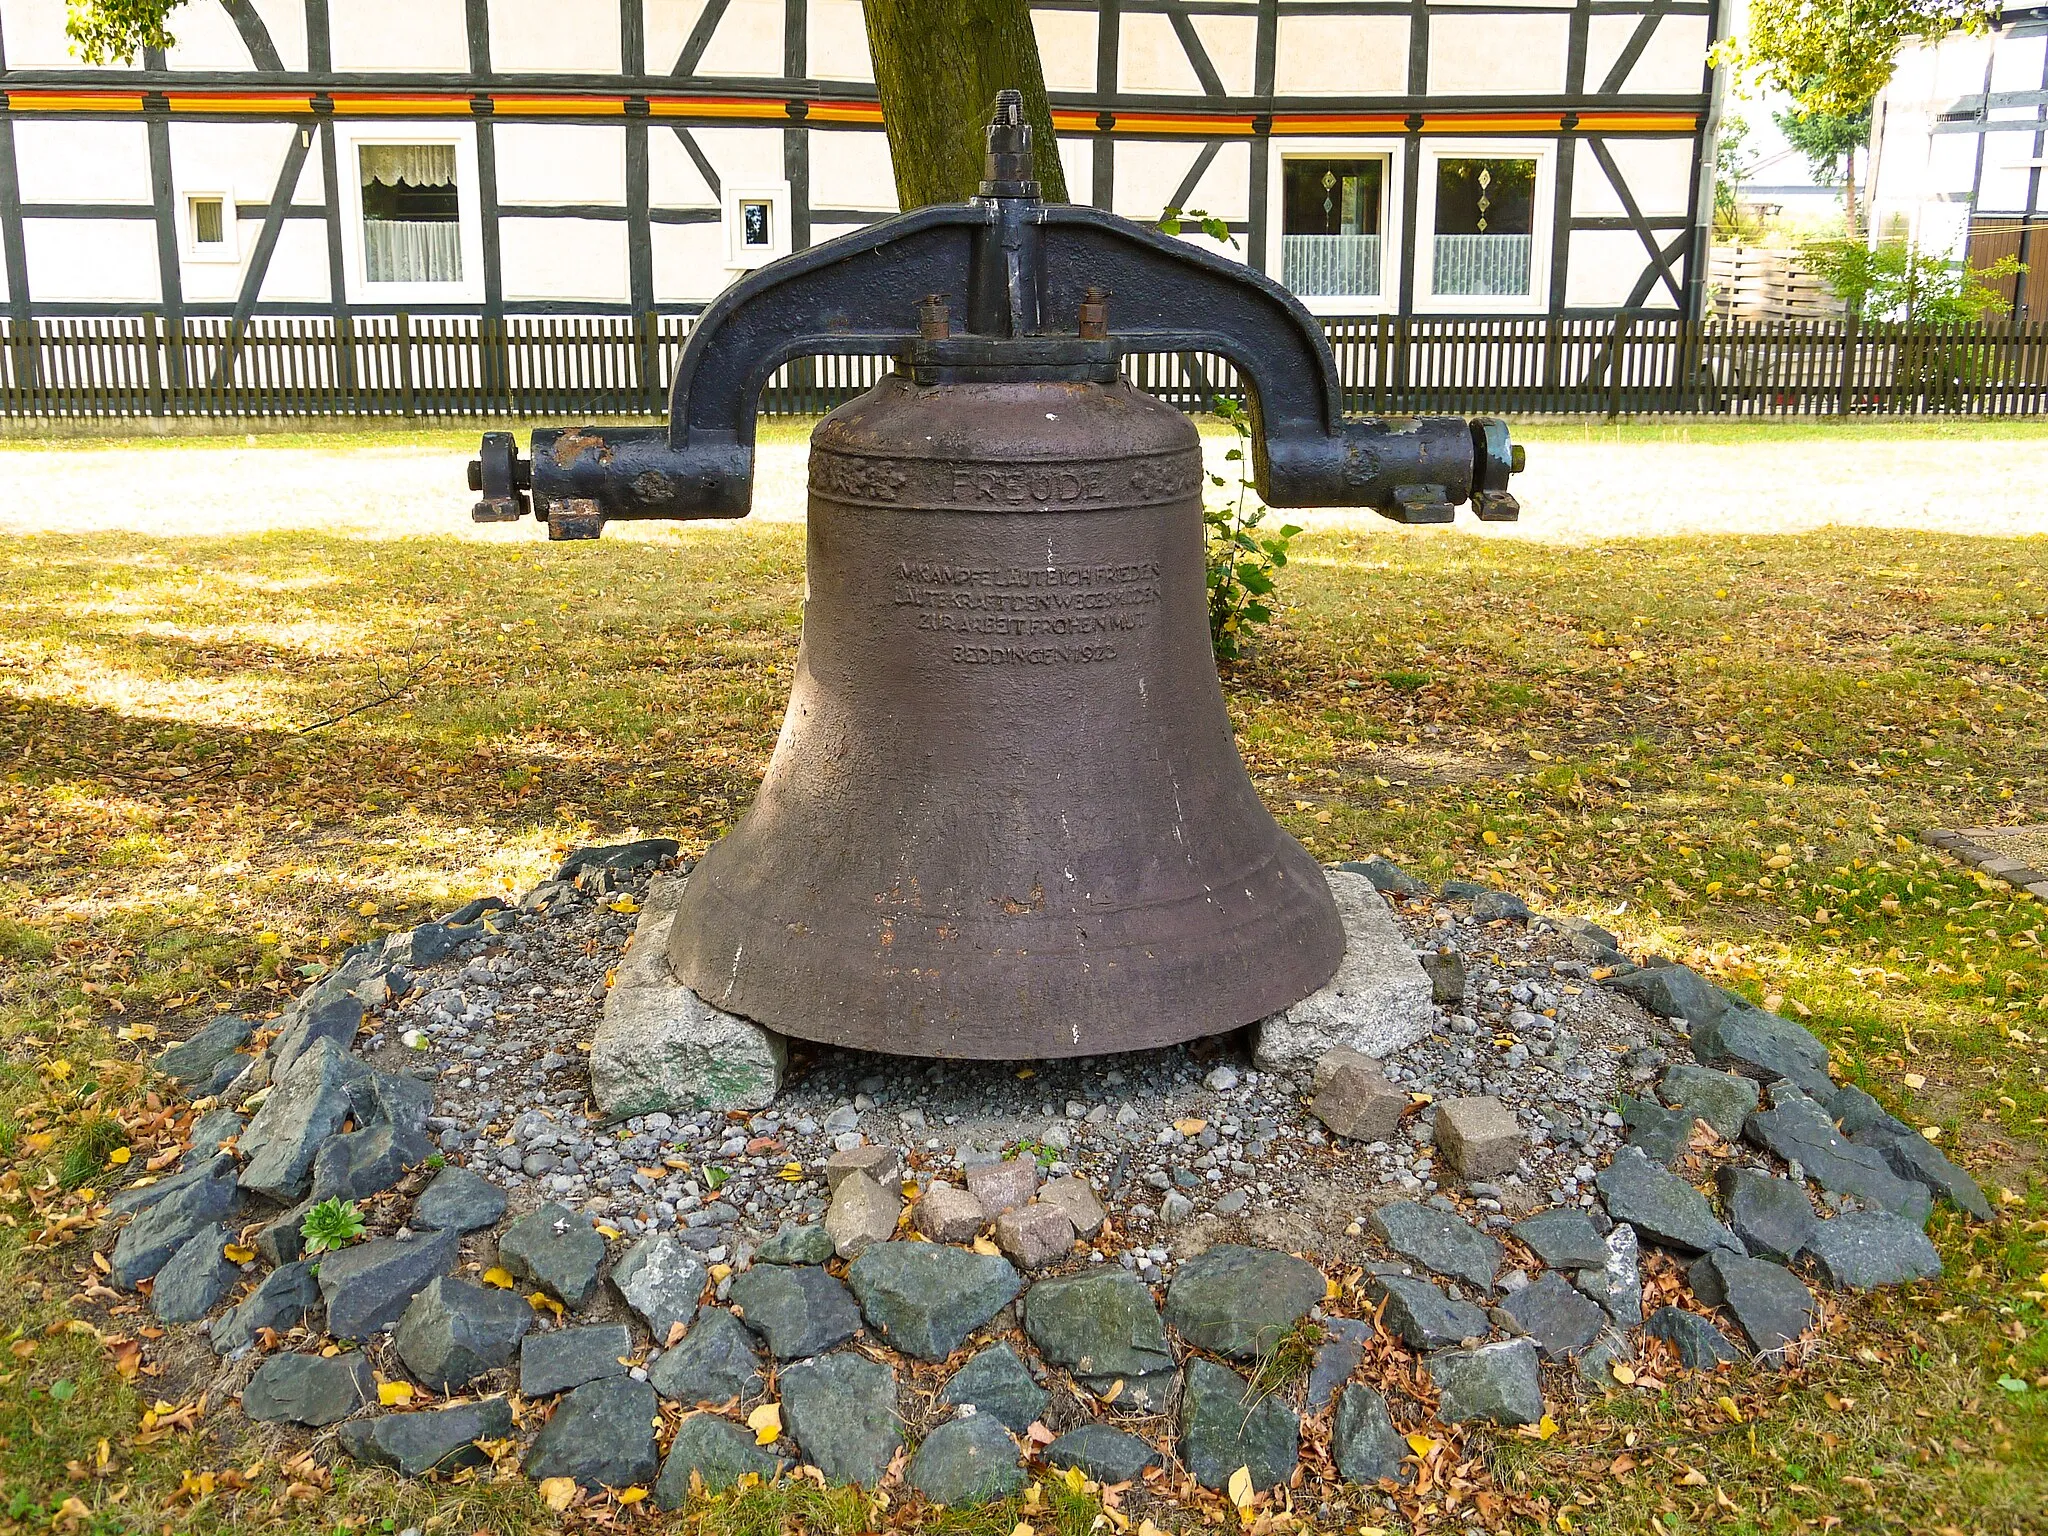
1020, 262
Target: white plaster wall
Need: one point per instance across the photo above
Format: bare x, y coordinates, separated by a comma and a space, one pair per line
85, 162
1232, 43
240, 159
2016, 64
852, 170
748, 41
1150, 58
743, 156
208, 39
1147, 175
1959, 64
1658, 173
399, 35
1603, 266
1495, 55
546, 35
673, 180
1674, 61
34, 30
836, 42
1066, 45
298, 267
561, 163
1341, 56
2004, 187
667, 24
820, 233
689, 262
1077, 159
564, 259
92, 260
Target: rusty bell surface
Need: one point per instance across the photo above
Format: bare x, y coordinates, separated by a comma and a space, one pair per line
1005, 817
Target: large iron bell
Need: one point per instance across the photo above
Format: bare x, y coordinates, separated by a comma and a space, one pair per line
1005, 817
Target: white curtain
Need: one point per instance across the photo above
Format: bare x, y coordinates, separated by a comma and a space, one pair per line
417, 165
412, 251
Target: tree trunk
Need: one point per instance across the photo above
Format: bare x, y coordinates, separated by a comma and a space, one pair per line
1849, 194
938, 66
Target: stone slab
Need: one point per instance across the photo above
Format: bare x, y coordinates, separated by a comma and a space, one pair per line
1379, 1001
659, 1046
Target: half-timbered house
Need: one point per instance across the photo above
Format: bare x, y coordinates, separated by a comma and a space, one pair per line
500, 157
1959, 144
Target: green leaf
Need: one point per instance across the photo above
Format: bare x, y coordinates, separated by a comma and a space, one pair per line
1235, 454
1258, 613
1290, 530
62, 1389
2011, 1384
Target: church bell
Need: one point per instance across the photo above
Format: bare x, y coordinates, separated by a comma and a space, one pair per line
1005, 817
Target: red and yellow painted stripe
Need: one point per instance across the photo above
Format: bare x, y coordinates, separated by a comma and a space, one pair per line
380, 104
1151, 123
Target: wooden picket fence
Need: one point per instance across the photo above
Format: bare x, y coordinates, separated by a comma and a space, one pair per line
409, 366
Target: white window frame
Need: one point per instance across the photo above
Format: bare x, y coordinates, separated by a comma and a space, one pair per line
349, 137
744, 258
1388, 149
1542, 210
229, 251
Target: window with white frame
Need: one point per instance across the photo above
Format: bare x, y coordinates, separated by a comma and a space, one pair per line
1332, 225
756, 224
1486, 245
412, 213
210, 227
1333, 207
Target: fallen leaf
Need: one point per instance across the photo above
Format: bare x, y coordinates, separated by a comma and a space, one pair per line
632, 1495
501, 1278
541, 1301
1694, 1478
983, 1246
1421, 1445
766, 1423
1240, 1488
558, 1493
1727, 1406
394, 1394
236, 1253
1623, 1372
1914, 1081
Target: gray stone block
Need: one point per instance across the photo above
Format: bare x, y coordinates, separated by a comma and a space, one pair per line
1479, 1137
661, 1047
1378, 1002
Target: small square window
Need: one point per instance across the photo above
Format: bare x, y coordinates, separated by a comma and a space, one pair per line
757, 224
210, 234
209, 225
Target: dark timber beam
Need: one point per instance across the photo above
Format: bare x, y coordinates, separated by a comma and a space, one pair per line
1658, 255
255, 36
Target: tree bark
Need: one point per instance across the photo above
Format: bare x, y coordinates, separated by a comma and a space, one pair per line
938, 66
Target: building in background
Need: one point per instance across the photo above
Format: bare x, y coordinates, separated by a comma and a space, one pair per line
1414, 157
1959, 141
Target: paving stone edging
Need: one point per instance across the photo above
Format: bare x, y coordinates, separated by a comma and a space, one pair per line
1963, 844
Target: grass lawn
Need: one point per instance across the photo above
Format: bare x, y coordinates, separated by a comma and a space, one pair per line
1724, 747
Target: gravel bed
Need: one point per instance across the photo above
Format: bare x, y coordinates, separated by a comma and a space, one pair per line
1187, 1145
